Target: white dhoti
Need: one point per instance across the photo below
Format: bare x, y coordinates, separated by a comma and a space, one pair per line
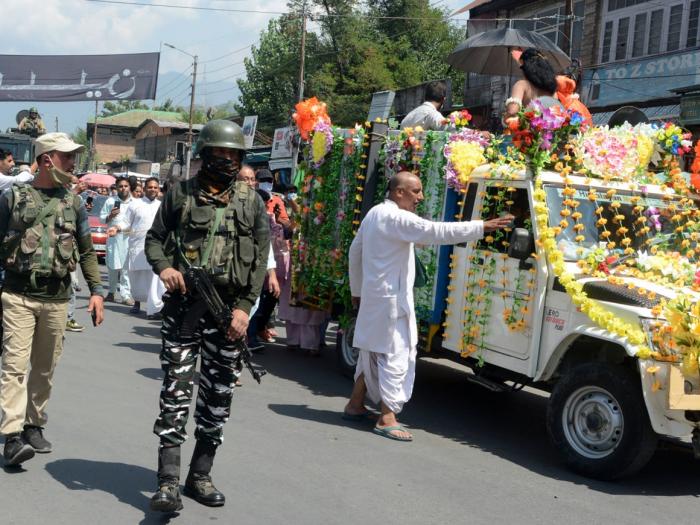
389, 376
146, 287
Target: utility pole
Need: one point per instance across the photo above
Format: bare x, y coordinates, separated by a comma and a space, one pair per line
56, 123
192, 93
568, 25
303, 52
189, 133
94, 139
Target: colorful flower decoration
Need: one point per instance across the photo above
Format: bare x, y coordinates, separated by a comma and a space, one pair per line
308, 114
464, 151
321, 143
459, 119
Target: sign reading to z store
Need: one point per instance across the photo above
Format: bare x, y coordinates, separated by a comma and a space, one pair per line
640, 80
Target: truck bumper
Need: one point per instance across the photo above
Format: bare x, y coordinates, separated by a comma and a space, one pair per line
672, 400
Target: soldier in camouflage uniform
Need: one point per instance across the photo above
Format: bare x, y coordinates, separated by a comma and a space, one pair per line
45, 233
217, 223
32, 125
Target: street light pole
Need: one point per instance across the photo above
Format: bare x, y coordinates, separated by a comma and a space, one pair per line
189, 132
192, 94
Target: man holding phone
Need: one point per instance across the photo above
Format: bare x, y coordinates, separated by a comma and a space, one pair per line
37, 288
118, 245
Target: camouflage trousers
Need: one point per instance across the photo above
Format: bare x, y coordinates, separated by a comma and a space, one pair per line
219, 370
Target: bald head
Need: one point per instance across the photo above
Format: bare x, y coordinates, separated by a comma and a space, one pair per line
400, 179
247, 175
406, 190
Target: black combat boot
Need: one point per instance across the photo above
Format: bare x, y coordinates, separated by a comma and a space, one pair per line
167, 499
35, 437
198, 484
17, 450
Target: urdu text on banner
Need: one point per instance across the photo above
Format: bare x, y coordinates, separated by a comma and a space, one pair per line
74, 78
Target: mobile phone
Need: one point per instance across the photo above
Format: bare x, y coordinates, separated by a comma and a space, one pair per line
93, 314
117, 204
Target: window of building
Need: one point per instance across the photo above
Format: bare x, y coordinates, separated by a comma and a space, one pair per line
655, 28
607, 38
614, 5
693, 17
633, 29
675, 21
640, 33
623, 26
553, 28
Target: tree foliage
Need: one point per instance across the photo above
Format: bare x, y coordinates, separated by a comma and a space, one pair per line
110, 108
351, 52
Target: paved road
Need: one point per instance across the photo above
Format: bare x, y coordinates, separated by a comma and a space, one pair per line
288, 458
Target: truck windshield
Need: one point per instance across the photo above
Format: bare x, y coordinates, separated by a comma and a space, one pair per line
631, 211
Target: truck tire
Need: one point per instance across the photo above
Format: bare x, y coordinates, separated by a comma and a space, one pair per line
346, 353
597, 420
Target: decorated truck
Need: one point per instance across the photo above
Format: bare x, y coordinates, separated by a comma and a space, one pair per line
591, 295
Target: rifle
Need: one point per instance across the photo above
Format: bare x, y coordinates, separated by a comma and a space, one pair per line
197, 279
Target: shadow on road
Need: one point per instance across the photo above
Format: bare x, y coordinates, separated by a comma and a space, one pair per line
508, 425
125, 482
151, 373
318, 374
153, 348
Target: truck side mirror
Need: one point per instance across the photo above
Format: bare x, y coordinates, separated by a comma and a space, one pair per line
522, 244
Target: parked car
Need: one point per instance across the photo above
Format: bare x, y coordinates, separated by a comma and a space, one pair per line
98, 228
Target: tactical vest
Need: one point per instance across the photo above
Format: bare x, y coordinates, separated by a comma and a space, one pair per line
41, 238
220, 239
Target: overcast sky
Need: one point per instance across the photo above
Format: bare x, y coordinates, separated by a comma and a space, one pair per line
45, 27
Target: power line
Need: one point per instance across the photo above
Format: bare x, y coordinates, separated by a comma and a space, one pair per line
191, 7
236, 75
228, 54
177, 79
176, 87
226, 67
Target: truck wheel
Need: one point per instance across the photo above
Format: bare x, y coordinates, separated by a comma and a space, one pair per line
598, 421
347, 354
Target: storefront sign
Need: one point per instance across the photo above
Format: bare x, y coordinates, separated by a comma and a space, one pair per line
640, 80
690, 110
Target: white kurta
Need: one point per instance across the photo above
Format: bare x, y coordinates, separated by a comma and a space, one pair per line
135, 223
116, 246
382, 272
382, 269
146, 286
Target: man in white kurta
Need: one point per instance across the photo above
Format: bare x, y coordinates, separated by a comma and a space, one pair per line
382, 271
134, 224
117, 246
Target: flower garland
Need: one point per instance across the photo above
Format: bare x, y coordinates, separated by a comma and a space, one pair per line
464, 152
597, 313
321, 143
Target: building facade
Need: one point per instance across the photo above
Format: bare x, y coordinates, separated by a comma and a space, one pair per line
633, 52
115, 139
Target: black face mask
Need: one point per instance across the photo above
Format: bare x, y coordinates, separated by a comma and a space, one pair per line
219, 167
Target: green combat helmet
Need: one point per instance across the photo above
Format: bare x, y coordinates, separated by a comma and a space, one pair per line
220, 134
33, 110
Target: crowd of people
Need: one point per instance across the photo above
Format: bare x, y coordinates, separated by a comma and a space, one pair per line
235, 223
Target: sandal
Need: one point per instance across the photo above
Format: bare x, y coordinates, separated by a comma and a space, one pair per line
387, 432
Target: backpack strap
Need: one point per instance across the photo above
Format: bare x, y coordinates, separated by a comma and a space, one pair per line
219, 214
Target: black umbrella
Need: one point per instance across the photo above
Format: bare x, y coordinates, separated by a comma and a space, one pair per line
488, 53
